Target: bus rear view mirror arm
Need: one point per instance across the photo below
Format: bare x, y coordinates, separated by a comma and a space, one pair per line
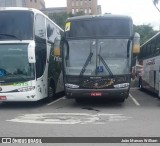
31, 52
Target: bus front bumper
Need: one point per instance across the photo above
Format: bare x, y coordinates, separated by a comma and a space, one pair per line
91, 93
18, 96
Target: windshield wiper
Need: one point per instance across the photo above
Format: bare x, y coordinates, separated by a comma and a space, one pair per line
104, 63
10, 35
87, 61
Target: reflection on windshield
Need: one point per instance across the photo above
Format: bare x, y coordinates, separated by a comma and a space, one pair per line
16, 23
109, 57
14, 62
99, 67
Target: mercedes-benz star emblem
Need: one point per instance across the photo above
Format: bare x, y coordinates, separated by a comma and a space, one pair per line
96, 85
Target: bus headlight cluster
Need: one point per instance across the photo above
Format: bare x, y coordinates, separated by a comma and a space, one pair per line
71, 86
123, 85
25, 89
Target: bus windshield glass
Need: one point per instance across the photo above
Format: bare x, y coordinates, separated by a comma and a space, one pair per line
99, 28
16, 25
14, 65
96, 57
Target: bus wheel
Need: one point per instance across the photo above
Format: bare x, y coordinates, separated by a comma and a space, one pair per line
122, 99
51, 92
79, 100
140, 84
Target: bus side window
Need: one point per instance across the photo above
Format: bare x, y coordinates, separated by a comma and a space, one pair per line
50, 31
148, 51
40, 28
41, 50
141, 53
157, 51
153, 47
144, 51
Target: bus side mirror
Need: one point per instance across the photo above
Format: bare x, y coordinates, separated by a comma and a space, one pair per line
31, 52
136, 43
57, 47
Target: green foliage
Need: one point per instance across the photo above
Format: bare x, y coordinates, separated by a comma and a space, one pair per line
145, 31
60, 18
76, 14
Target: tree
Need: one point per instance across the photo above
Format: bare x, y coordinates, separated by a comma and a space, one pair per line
145, 31
155, 2
76, 14
60, 18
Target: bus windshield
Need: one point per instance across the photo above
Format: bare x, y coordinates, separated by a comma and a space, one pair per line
14, 65
16, 25
96, 57
99, 28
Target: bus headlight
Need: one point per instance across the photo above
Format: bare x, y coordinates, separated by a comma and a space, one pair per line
71, 86
25, 89
123, 85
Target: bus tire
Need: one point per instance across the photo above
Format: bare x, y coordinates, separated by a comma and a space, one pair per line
140, 85
79, 100
122, 99
51, 91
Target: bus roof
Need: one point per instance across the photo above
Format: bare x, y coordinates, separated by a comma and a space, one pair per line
35, 11
107, 16
19, 9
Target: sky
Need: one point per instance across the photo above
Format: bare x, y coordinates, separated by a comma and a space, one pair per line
141, 11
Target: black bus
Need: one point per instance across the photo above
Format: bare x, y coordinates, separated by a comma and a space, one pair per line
97, 54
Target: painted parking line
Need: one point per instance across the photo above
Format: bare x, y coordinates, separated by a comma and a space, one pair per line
134, 100
69, 118
55, 101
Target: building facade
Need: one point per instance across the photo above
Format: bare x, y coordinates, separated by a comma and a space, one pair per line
86, 6
49, 11
38, 4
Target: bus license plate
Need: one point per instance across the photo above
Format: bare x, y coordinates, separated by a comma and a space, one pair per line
3, 98
96, 94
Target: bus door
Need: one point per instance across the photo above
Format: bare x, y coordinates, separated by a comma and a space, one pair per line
158, 80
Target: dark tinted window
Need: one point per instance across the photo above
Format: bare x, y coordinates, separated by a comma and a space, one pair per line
100, 27
157, 51
40, 27
41, 53
50, 31
16, 23
41, 50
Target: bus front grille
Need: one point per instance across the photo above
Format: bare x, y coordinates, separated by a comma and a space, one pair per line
96, 84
